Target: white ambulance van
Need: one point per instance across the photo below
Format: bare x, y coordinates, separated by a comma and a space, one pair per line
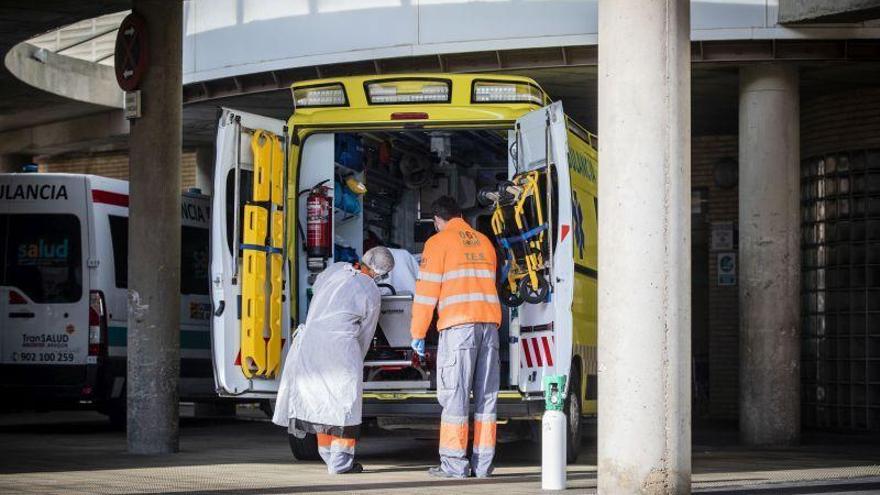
63, 292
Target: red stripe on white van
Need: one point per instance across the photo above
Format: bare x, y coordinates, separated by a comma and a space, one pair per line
525, 346
110, 198
537, 352
547, 353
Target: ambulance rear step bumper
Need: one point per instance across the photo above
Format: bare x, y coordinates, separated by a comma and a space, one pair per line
389, 362
429, 408
418, 386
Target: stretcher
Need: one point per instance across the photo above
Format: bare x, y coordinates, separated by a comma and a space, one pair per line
390, 362
522, 231
263, 260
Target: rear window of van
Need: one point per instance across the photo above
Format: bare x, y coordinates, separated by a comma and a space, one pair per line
194, 242
42, 256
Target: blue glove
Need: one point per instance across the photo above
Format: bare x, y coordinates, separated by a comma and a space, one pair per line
418, 345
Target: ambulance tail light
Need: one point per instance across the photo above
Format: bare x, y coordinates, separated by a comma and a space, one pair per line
325, 95
506, 92
16, 298
97, 324
409, 116
398, 91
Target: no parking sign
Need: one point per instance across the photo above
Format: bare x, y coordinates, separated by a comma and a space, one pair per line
131, 54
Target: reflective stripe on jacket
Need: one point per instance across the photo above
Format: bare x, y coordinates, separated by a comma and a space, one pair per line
457, 276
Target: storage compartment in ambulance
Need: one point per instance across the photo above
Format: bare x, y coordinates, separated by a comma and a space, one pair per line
376, 188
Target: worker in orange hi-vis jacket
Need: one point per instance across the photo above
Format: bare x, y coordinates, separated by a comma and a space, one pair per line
457, 276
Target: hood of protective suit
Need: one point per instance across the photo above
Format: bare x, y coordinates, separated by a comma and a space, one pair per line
322, 378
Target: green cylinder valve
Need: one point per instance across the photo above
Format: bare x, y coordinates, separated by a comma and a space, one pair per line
554, 392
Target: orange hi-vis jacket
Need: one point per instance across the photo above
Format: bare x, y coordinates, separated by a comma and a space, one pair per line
457, 275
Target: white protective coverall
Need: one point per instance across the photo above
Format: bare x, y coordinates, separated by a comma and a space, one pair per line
322, 379
406, 271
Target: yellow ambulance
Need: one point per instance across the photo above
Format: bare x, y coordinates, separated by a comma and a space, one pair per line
358, 163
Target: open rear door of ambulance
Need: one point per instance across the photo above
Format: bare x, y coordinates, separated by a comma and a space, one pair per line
249, 272
541, 333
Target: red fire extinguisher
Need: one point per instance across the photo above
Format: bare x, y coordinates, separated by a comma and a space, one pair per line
319, 217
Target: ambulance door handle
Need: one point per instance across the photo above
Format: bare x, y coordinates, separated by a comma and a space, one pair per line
220, 307
21, 314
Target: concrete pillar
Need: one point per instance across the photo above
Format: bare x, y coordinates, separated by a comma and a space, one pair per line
769, 255
644, 443
205, 170
154, 238
13, 162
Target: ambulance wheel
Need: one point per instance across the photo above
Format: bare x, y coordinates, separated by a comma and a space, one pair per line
508, 298
304, 449
533, 296
574, 425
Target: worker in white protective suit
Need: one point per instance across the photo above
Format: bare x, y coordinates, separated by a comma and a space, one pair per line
322, 381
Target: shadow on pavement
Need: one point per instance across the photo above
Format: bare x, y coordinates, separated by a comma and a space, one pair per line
398, 485
830, 487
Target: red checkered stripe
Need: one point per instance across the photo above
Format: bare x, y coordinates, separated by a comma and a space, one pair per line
536, 350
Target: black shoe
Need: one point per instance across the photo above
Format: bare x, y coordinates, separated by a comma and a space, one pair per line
354, 469
438, 472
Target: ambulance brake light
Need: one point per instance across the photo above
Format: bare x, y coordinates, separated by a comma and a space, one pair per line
16, 298
506, 92
97, 323
398, 91
328, 95
409, 116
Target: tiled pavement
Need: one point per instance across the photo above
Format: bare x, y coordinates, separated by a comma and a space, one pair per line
76, 453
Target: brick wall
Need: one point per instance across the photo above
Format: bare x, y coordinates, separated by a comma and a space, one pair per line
840, 122
113, 165
723, 312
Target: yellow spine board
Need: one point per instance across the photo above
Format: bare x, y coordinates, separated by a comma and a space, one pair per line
276, 261
262, 283
261, 145
273, 346
277, 184
253, 293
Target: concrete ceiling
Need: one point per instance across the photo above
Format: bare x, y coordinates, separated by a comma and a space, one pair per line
22, 105
714, 85
714, 89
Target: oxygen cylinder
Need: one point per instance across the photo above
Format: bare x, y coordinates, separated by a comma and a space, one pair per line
318, 223
553, 434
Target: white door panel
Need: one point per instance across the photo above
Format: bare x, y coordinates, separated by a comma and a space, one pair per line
546, 329
234, 149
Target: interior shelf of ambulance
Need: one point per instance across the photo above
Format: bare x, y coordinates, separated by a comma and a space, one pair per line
383, 184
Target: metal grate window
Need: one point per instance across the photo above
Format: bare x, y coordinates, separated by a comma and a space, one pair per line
840, 198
